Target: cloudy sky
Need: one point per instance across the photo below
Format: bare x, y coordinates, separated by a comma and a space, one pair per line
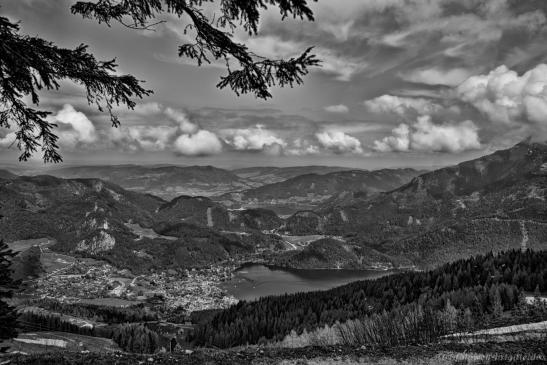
419, 83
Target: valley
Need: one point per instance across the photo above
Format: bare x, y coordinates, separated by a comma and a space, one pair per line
73, 279
440, 216
167, 182
310, 191
273, 182
86, 245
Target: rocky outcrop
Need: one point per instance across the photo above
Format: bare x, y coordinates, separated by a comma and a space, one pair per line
101, 242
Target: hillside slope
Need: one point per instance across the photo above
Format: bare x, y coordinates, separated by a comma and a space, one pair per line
204, 212
90, 217
329, 253
167, 182
495, 202
270, 175
5, 174
83, 215
311, 190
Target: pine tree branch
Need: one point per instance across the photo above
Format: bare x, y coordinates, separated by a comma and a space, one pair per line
213, 38
30, 64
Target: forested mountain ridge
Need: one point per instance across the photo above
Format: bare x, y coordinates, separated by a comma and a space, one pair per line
40, 206
309, 191
205, 212
5, 174
495, 202
475, 288
331, 253
165, 181
95, 218
170, 181
270, 175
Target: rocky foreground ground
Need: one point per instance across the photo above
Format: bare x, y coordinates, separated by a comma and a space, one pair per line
528, 352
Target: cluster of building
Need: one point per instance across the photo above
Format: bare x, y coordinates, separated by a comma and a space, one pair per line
190, 290
82, 280
196, 290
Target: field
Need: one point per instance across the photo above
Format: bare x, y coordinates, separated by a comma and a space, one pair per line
51, 262
54, 263
297, 242
39, 342
146, 232
521, 332
110, 302
23, 245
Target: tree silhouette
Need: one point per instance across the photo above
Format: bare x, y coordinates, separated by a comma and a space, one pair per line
8, 316
30, 64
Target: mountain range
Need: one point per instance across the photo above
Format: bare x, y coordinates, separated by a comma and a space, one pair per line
235, 188
167, 182
492, 203
270, 175
309, 191
91, 217
370, 219
5, 174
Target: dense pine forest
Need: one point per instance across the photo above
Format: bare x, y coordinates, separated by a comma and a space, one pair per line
132, 337
479, 287
97, 313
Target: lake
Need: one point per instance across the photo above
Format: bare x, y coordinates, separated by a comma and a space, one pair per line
254, 281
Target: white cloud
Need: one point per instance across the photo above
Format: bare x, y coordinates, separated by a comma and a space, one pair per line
401, 105
301, 147
341, 30
148, 108
426, 136
331, 11
334, 63
7, 140
80, 128
253, 139
399, 141
436, 76
273, 46
274, 149
507, 98
185, 125
201, 143
342, 67
446, 137
147, 138
175, 132
156, 128
339, 142
472, 27
340, 108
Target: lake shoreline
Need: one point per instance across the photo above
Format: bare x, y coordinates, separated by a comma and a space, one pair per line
251, 281
290, 268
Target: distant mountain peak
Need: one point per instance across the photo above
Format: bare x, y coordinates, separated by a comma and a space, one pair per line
526, 141
532, 141
5, 174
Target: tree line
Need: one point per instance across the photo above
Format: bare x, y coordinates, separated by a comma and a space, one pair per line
419, 323
97, 313
131, 337
483, 284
